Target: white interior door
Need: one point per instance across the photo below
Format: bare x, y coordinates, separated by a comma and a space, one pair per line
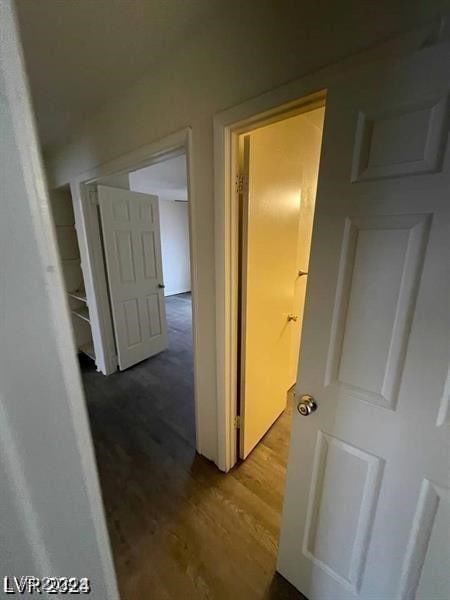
367, 504
132, 242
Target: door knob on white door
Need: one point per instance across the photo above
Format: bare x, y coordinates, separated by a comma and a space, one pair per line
307, 405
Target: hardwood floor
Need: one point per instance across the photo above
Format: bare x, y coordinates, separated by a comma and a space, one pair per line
179, 528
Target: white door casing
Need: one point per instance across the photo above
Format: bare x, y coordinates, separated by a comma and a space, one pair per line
131, 236
367, 507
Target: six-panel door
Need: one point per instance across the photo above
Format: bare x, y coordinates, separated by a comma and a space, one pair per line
367, 511
132, 244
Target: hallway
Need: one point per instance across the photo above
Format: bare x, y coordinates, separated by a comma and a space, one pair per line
179, 528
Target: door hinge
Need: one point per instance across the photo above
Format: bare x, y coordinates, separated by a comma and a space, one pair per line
237, 422
241, 184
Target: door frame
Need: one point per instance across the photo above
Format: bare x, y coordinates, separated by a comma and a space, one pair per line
88, 228
228, 127
274, 105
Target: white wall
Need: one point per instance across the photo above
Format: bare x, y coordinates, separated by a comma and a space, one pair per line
51, 517
175, 246
252, 48
174, 218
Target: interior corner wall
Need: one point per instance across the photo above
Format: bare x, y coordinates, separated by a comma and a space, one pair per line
249, 48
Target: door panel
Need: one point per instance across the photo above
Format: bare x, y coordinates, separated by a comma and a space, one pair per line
426, 564
381, 262
366, 505
337, 524
130, 225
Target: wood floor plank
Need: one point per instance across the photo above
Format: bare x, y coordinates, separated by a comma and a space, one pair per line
178, 527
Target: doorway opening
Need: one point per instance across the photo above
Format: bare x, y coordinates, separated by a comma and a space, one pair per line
278, 173
230, 130
143, 234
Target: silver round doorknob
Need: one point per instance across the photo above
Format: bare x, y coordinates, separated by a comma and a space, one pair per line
307, 405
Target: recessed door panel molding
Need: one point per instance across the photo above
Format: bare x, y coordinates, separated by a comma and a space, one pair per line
379, 272
146, 213
153, 311
405, 141
338, 523
149, 254
132, 248
125, 256
132, 322
121, 210
425, 572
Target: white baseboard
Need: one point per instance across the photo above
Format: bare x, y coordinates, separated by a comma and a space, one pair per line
174, 293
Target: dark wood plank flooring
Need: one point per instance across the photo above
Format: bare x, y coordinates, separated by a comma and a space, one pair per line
179, 528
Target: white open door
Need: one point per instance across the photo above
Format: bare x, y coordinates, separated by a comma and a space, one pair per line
132, 243
367, 504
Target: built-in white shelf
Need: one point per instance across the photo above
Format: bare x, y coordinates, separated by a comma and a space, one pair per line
82, 312
88, 349
78, 295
